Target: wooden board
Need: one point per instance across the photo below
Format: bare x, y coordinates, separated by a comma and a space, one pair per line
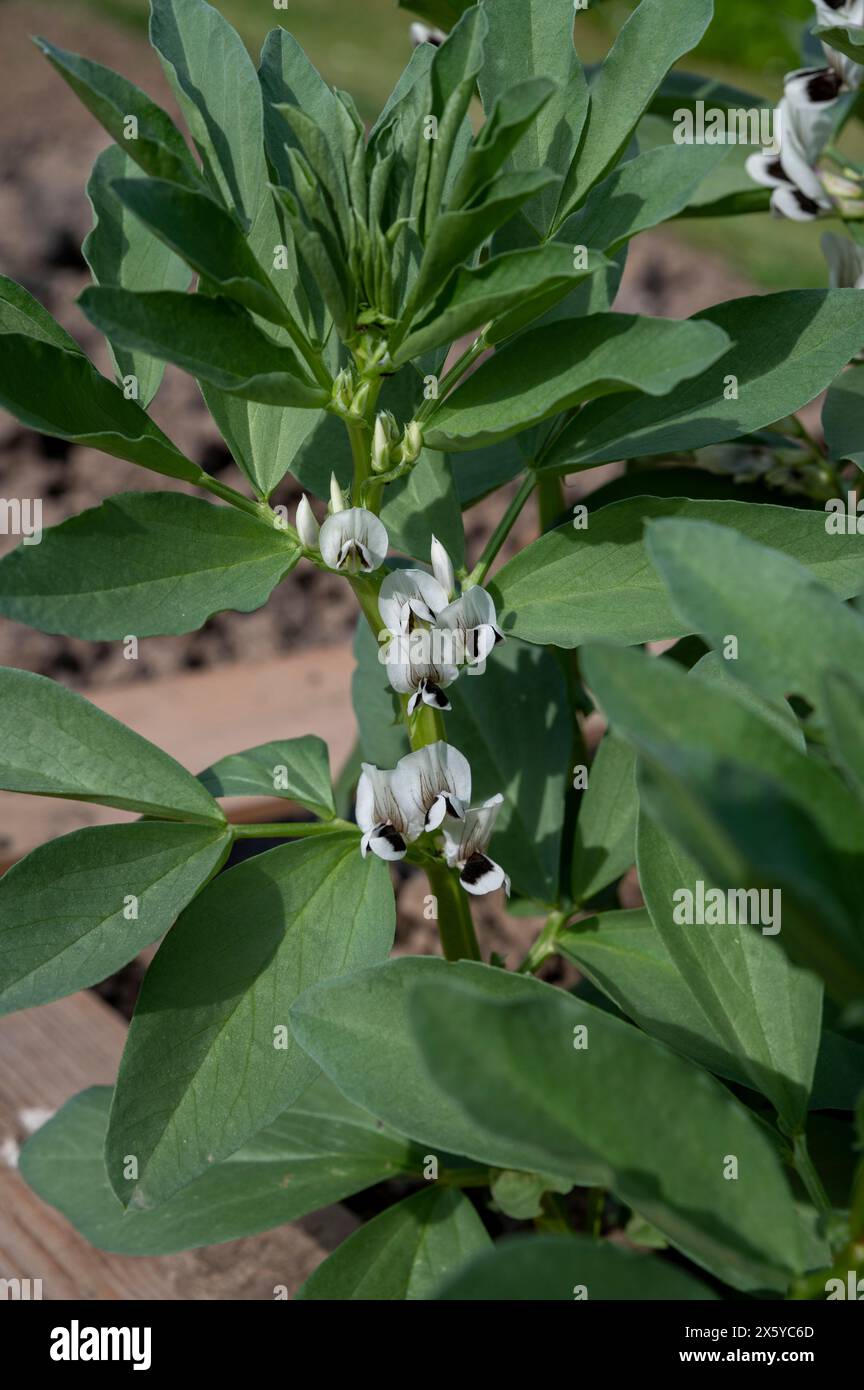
48, 1054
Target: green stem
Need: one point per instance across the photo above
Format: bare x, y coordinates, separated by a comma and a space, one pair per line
803, 1165
455, 925
502, 531
544, 946
236, 499
291, 830
594, 1212
455, 374
425, 726
550, 500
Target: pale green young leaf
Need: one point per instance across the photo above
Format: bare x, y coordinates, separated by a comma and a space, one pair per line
209, 1059
404, 1252
55, 743
79, 908
296, 768
148, 563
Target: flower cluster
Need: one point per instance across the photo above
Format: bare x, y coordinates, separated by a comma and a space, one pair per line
426, 791
805, 120
429, 633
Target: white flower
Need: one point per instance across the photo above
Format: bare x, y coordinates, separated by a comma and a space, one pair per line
431, 783
442, 568
307, 526
845, 262
842, 14
353, 540
805, 122
413, 673
387, 829
477, 872
473, 620
421, 33
409, 594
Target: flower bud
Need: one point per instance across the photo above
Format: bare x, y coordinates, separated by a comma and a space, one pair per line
847, 194
412, 443
380, 447
307, 526
343, 390
337, 497
442, 567
360, 401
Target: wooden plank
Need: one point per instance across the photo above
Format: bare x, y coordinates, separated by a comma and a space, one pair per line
198, 718
52, 1052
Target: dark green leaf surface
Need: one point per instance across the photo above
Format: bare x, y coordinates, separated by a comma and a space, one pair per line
121, 251
552, 368
296, 768
321, 1150
605, 845
78, 908
842, 417
563, 1268
785, 349
55, 743
61, 393
207, 1063
404, 1252
214, 339
574, 585
148, 563
21, 313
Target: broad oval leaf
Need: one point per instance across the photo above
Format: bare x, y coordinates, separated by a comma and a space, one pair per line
404, 1252
319, 1151
553, 368
152, 563
209, 1059
605, 839
55, 743
785, 349
80, 907
574, 585
296, 768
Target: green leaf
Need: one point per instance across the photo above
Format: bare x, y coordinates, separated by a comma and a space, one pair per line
207, 237
528, 38
789, 627
157, 145
217, 87
745, 802
551, 369
482, 1062
60, 392
514, 721
214, 339
512, 114
481, 471
77, 909
574, 585
209, 1060
785, 349
404, 1252
520, 1195
55, 743
605, 842
843, 700
842, 416
149, 563
849, 41
558, 1268
624, 955
640, 194
119, 251
656, 35
422, 505
765, 1012
321, 1150
296, 768
528, 280
381, 729
21, 313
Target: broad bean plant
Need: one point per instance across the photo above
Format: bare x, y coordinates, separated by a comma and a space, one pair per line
409, 319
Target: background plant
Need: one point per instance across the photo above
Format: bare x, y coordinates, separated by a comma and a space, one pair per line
333, 271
